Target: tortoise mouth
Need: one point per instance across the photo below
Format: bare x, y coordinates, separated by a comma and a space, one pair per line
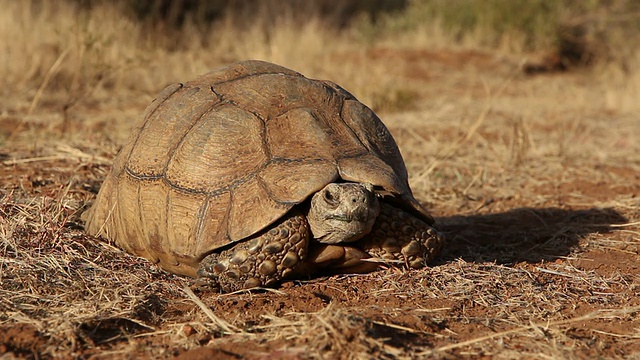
363, 217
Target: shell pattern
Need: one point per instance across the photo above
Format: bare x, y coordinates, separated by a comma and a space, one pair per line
220, 158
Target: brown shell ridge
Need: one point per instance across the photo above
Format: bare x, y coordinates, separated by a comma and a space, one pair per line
227, 230
227, 222
343, 95
224, 101
285, 204
338, 90
281, 160
142, 177
168, 92
201, 219
263, 134
176, 186
250, 177
289, 109
280, 206
216, 192
297, 74
353, 134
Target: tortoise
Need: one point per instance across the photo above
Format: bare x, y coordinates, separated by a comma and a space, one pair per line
253, 173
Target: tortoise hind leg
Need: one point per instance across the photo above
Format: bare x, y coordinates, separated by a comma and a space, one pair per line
262, 260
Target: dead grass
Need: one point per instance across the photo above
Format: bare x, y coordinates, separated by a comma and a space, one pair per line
535, 181
60, 55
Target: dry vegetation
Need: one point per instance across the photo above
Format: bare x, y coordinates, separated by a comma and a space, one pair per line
534, 179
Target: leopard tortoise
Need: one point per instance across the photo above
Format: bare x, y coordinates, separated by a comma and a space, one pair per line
252, 174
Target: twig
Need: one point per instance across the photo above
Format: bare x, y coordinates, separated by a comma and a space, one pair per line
399, 327
47, 77
559, 273
67, 152
619, 225
222, 324
629, 336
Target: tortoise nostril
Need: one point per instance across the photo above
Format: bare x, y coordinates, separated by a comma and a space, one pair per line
362, 200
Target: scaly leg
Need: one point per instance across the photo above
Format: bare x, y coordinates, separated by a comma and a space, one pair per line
263, 260
400, 238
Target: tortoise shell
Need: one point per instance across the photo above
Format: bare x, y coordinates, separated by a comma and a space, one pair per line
220, 158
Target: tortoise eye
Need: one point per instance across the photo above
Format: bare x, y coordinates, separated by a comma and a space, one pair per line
329, 197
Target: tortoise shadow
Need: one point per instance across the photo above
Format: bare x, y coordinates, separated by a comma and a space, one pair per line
522, 234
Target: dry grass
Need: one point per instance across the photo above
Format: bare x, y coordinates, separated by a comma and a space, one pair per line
535, 180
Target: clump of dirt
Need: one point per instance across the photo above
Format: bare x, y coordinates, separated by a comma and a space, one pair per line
21, 341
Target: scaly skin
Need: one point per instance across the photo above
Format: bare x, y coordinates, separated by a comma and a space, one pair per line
263, 260
351, 225
399, 237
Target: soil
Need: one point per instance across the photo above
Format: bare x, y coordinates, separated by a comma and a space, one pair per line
541, 259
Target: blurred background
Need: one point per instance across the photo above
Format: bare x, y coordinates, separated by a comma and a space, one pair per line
60, 54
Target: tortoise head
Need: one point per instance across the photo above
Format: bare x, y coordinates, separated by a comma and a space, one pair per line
343, 212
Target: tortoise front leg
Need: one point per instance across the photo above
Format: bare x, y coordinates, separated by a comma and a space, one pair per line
263, 260
400, 238
397, 238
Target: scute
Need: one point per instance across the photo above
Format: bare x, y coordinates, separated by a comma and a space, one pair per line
212, 231
184, 213
298, 129
222, 157
164, 127
293, 181
224, 146
371, 169
153, 215
127, 222
269, 95
251, 208
372, 133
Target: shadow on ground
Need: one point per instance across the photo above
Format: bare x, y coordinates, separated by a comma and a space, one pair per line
524, 234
